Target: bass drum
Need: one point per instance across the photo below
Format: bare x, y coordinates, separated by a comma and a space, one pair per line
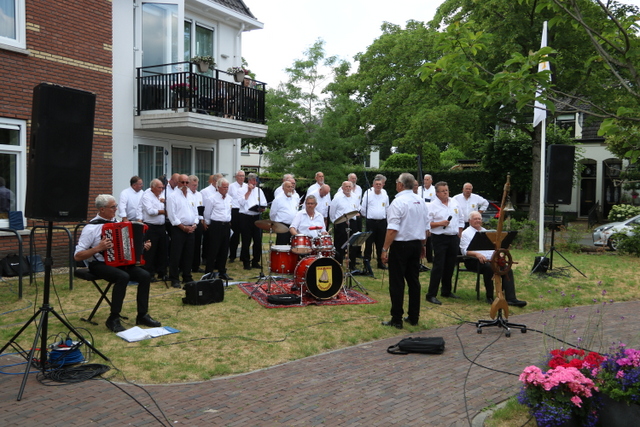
322, 276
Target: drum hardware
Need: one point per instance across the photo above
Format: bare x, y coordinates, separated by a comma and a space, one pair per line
356, 240
272, 226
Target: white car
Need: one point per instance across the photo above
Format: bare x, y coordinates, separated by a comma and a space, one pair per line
605, 234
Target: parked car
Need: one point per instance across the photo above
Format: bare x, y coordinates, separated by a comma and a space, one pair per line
492, 211
605, 235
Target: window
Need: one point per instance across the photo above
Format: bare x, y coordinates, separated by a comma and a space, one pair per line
199, 45
181, 160
204, 166
150, 163
12, 23
160, 25
12, 167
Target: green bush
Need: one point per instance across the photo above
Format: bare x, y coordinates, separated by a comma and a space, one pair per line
630, 244
622, 212
527, 237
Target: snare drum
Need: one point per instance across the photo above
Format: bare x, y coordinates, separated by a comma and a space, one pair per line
301, 244
322, 276
283, 261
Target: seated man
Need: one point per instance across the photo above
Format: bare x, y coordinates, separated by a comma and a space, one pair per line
308, 221
483, 262
90, 247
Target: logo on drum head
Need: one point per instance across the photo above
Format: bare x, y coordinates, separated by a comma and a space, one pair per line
324, 279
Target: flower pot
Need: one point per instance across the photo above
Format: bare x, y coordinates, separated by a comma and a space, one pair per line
203, 67
618, 414
239, 76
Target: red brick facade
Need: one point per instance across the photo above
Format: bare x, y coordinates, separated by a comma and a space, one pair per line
69, 44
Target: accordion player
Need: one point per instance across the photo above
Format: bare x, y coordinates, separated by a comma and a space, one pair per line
128, 243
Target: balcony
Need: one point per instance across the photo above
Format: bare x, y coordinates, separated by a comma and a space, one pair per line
187, 103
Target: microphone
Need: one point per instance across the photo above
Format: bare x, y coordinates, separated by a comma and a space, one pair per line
448, 219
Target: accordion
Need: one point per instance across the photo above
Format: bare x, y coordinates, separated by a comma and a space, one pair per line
128, 243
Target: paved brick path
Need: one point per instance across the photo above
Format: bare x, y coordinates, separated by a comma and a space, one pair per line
356, 386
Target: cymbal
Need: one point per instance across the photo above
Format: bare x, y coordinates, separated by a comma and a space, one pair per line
276, 227
345, 217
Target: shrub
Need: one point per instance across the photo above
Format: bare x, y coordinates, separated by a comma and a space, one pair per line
622, 212
630, 243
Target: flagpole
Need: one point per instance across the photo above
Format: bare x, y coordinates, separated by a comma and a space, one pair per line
543, 178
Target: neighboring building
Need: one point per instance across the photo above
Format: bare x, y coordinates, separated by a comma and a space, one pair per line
134, 56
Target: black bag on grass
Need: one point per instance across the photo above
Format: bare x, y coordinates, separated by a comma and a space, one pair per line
427, 345
10, 266
203, 292
284, 299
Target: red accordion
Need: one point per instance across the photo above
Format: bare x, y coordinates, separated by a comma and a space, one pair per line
128, 243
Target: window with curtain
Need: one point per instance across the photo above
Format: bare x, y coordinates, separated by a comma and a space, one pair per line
205, 159
181, 160
159, 34
12, 167
150, 163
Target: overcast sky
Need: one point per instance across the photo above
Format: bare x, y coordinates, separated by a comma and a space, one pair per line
347, 26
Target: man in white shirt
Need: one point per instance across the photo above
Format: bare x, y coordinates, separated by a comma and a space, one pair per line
252, 204
428, 192
323, 196
308, 221
129, 200
316, 185
152, 211
339, 207
374, 209
209, 189
237, 188
403, 248
91, 246
283, 210
196, 201
217, 217
183, 225
469, 202
482, 263
446, 223
278, 191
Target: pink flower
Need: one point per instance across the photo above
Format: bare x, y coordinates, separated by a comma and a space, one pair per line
577, 401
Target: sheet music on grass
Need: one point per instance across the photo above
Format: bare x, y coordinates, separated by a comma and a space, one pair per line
138, 334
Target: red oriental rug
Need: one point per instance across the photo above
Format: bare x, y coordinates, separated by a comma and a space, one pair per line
343, 297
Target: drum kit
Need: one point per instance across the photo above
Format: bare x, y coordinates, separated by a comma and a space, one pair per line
309, 260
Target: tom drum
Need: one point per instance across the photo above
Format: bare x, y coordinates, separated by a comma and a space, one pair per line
301, 244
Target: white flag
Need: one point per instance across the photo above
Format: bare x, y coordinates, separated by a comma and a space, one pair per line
540, 112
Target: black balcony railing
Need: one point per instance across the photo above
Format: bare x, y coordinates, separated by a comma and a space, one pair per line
161, 87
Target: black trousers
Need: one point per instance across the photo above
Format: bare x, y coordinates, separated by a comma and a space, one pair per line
197, 247
284, 238
404, 266
486, 271
218, 237
235, 239
156, 257
250, 232
445, 253
181, 256
379, 229
121, 276
340, 237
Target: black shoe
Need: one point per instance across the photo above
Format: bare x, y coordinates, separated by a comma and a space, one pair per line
517, 303
147, 320
382, 267
434, 300
232, 260
255, 264
175, 284
411, 322
113, 324
197, 270
246, 265
396, 324
451, 295
165, 278
225, 276
424, 268
489, 300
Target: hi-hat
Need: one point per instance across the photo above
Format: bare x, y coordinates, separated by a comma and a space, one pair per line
345, 217
276, 227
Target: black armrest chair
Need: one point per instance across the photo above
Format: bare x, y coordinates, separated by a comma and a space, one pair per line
462, 269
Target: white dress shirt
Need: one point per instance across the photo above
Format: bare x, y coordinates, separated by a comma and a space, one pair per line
438, 211
302, 222
284, 209
467, 237
235, 190
208, 191
180, 210
408, 216
313, 188
428, 194
343, 205
195, 200
374, 206
90, 237
128, 204
323, 203
217, 208
149, 207
255, 198
473, 203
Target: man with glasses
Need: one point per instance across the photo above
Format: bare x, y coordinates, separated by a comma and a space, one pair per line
91, 246
152, 211
446, 222
183, 226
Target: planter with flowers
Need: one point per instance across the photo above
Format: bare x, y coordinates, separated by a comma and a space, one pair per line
183, 90
239, 73
619, 380
203, 62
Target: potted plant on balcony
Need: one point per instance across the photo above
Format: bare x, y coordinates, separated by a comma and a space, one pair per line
238, 73
183, 90
203, 62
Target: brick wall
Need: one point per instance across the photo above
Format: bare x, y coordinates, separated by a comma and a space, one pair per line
70, 44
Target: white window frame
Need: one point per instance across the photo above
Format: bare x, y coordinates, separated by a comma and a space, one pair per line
20, 42
20, 151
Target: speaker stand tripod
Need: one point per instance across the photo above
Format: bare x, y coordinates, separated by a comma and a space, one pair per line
42, 328
553, 249
356, 240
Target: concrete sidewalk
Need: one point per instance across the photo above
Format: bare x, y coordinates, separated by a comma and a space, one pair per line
357, 386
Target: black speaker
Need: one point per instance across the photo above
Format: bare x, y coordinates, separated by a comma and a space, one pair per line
559, 182
60, 147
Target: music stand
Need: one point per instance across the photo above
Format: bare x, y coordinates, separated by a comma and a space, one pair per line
358, 239
485, 241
